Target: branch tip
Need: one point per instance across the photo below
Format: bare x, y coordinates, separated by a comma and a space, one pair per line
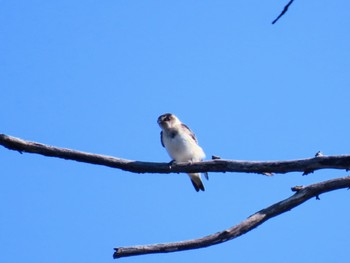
115, 254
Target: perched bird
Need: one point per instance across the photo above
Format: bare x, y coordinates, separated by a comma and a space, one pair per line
181, 144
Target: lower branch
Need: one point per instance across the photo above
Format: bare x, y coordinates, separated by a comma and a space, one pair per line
303, 194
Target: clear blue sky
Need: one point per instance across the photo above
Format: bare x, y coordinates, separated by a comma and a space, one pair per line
95, 75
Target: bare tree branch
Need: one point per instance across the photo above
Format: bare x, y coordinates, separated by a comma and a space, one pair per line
303, 194
218, 165
285, 9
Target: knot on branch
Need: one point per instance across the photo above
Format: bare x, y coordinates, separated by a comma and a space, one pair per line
297, 188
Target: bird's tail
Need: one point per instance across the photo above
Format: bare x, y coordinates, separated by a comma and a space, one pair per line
197, 181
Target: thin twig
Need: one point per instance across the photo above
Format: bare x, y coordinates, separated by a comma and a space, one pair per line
285, 9
219, 165
303, 194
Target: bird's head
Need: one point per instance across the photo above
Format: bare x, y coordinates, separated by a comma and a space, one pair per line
168, 120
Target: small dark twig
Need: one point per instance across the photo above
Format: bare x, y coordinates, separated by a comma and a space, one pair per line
319, 154
306, 172
285, 9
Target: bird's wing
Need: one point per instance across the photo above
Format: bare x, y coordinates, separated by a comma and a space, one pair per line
188, 130
161, 138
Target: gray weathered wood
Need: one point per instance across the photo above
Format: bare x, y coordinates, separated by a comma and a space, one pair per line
217, 165
303, 194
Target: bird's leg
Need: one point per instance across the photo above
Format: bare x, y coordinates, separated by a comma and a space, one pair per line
171, 163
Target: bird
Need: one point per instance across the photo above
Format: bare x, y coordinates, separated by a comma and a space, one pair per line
181, 145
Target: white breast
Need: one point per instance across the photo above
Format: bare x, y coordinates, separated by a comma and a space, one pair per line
182, 148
